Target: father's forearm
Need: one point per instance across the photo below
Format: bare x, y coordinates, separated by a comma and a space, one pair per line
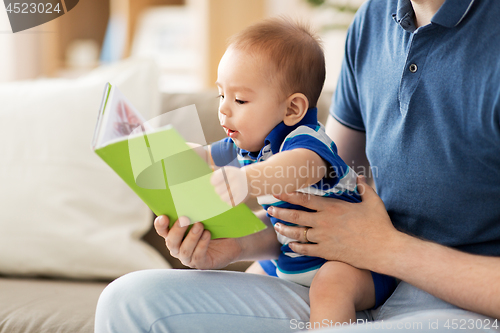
261, 245
469, 281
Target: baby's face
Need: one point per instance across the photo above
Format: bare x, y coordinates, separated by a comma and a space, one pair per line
250, 104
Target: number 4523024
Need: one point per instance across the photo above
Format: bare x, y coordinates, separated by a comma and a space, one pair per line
466, 324
32, 8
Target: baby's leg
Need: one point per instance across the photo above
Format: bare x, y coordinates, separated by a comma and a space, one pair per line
337, 291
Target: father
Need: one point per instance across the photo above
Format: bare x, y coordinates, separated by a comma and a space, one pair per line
419, 92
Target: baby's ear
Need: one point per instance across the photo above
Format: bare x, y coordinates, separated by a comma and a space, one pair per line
297, 105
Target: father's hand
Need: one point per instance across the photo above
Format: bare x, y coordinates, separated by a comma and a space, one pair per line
360, 234
195, 249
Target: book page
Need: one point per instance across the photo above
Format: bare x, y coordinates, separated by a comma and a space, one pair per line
121, 118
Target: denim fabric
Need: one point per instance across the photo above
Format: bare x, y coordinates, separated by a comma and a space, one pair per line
410, 309
220, 301
200, 301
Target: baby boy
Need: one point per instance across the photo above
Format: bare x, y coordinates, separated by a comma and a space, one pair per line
269, 81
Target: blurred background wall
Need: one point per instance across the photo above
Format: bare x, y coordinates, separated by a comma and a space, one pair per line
186, 37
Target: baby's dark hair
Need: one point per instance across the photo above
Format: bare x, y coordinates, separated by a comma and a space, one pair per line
293, 50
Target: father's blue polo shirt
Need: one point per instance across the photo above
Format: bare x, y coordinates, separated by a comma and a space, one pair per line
429, 102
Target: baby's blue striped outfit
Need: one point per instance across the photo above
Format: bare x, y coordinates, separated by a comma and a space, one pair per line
339, 183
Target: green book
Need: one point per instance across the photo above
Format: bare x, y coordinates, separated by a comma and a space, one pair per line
168, 175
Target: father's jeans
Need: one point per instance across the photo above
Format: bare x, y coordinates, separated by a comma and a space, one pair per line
220, 301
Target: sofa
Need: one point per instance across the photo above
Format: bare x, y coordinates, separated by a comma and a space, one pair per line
68, 224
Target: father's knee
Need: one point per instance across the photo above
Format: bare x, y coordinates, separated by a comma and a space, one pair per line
123, 289
121, 301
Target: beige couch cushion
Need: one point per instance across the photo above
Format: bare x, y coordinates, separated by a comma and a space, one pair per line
46, 306
65, 213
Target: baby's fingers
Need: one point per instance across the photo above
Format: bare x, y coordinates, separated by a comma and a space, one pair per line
217, 178
227, 198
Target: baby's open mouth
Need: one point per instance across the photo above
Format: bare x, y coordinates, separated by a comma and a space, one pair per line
229, 132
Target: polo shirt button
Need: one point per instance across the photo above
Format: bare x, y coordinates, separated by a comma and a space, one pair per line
413, 68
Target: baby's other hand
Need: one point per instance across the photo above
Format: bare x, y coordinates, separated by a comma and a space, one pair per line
231, 184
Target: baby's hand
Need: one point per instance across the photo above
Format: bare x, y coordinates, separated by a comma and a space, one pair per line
230, 184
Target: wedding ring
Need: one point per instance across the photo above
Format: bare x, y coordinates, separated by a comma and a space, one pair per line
305, 234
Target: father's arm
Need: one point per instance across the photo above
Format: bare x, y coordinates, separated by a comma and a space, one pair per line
350, 146
371, 242
195, 249
469, 281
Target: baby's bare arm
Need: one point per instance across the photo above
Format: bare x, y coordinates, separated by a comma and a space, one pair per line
287, 171
284, 172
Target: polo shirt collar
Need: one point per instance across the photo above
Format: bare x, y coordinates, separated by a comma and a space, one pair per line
451, 13
279, 133
405, 16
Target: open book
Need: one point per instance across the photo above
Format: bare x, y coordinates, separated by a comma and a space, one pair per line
158, 165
